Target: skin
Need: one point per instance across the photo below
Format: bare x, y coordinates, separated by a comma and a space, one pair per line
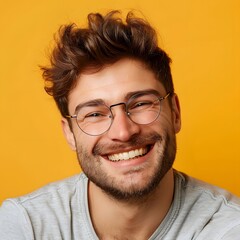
138, 191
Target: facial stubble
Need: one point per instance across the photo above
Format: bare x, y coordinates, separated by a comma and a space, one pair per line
92, 166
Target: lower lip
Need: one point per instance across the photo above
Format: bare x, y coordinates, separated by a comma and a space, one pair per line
131, 162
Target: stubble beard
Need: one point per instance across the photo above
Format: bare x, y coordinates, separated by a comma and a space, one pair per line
91, 166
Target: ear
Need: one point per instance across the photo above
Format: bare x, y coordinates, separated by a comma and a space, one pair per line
176, 113
68, 134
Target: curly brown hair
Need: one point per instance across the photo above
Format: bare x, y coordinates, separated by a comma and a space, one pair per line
106, 40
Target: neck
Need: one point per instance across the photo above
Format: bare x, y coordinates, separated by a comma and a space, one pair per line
114, 219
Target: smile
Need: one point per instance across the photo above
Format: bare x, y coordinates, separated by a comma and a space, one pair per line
128, 155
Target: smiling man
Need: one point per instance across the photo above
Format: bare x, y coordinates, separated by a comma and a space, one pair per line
112, 84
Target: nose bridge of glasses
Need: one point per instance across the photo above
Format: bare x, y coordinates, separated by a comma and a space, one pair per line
118, 104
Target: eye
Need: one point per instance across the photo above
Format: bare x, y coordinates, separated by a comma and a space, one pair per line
95, 115
141, 105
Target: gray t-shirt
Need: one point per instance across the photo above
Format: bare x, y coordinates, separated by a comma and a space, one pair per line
60, 211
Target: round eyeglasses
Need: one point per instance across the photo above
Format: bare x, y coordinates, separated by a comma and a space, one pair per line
95, 117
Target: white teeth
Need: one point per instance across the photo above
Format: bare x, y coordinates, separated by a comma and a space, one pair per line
127, 155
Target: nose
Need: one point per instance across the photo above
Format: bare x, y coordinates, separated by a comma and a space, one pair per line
122, 128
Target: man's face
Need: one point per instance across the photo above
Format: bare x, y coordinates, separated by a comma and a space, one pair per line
144, 153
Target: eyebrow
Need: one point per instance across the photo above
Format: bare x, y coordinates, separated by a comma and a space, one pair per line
97, 102
91, 103
145, 91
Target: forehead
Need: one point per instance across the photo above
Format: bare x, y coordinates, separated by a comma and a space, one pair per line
112, 83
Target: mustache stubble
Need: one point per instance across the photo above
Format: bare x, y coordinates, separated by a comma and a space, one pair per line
134, 142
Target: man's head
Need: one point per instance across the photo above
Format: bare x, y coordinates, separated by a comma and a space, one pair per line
115, 83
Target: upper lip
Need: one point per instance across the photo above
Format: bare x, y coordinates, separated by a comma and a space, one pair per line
127, 149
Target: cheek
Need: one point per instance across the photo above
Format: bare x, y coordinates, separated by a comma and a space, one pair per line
162, 124
85, 142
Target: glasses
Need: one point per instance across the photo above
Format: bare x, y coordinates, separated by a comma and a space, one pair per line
95, 117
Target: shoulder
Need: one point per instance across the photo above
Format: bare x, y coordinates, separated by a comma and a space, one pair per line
196, 188
53, 196
215, 212
59, 189
39, 210
56, 190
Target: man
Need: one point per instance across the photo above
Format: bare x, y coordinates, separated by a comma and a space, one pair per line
113, 87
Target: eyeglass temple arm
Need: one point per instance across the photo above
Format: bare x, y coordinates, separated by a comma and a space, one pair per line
162, 98
71, 116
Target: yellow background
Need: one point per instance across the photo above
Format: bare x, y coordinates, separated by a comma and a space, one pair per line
203, 39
